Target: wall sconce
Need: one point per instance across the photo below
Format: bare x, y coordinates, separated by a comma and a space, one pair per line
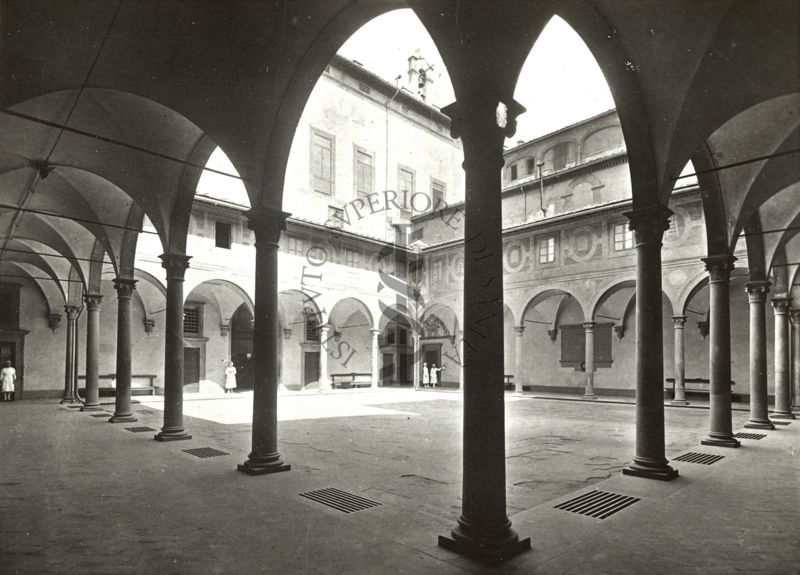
703, 327
53, 321
225, 329
553, 333
287, 333
149, 326
337, 335
619, 330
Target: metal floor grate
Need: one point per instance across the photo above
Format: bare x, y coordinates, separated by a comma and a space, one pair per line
780, 422
598, 504
703, 458
749, 435
341, 500
139, 429
99, 415
204, 452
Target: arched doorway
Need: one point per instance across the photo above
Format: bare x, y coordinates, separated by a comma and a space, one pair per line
242, 346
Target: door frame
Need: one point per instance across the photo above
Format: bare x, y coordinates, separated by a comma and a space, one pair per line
17, 337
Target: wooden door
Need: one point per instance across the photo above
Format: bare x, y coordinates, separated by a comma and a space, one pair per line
191, 369
310, 367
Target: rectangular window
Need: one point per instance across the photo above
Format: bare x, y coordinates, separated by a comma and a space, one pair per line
9, 307
350, 258
192, 323
530, 166
312, 328
623, 237
405, 184
322, 162
573, 346
296, 246
364, 88
222, 235
364, 172
547, 250
437, 194
513, 172
335, 217
560, 153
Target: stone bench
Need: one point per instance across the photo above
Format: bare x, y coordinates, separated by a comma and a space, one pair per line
140, 382
697, 385
350, 380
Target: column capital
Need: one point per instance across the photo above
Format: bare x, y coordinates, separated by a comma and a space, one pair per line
92, 301
678, 321
375, 332
483, 111
757, 291
225, 328
719, 267
72, 312
519, 329
267, 223
794, 315
649, 223
175, 264
781, 304
124, 287
588, 325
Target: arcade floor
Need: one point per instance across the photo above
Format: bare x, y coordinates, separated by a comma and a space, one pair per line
80, 495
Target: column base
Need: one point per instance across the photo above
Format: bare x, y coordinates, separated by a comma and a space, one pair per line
172, 435
782, 415
488, 551
720, 440
122, 419
679, 402
96, 407
263, 465
759, 424
650, 470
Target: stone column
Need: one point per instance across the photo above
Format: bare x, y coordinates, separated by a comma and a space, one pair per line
483, 529
374, 355
461, 359
759, 402
795, 315
783, 390
415, 360
264, 458
173, 430
324, 378
648, 225
588, 330
518, 330
70, 383
122, 407
92, 402
679, 397
719, 342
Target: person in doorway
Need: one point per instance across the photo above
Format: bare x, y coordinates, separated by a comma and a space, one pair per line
8, 375
230, 378
426, 376
434, 375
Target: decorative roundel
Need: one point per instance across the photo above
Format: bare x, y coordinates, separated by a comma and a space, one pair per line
514, 257
581, 244
677, 277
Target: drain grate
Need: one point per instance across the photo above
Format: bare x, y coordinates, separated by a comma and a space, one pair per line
204, 452
341, 500
749, 435
139, 429
703, 458
598, 504
99, 415
780, 422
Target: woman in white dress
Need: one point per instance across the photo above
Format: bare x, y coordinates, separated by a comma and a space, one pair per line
230, 378
426, 375
7, 377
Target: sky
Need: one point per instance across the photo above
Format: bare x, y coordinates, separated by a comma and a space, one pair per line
557, 91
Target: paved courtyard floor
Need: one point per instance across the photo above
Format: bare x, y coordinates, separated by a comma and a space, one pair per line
80, 495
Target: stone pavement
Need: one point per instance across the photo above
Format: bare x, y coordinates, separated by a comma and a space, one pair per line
80, 495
